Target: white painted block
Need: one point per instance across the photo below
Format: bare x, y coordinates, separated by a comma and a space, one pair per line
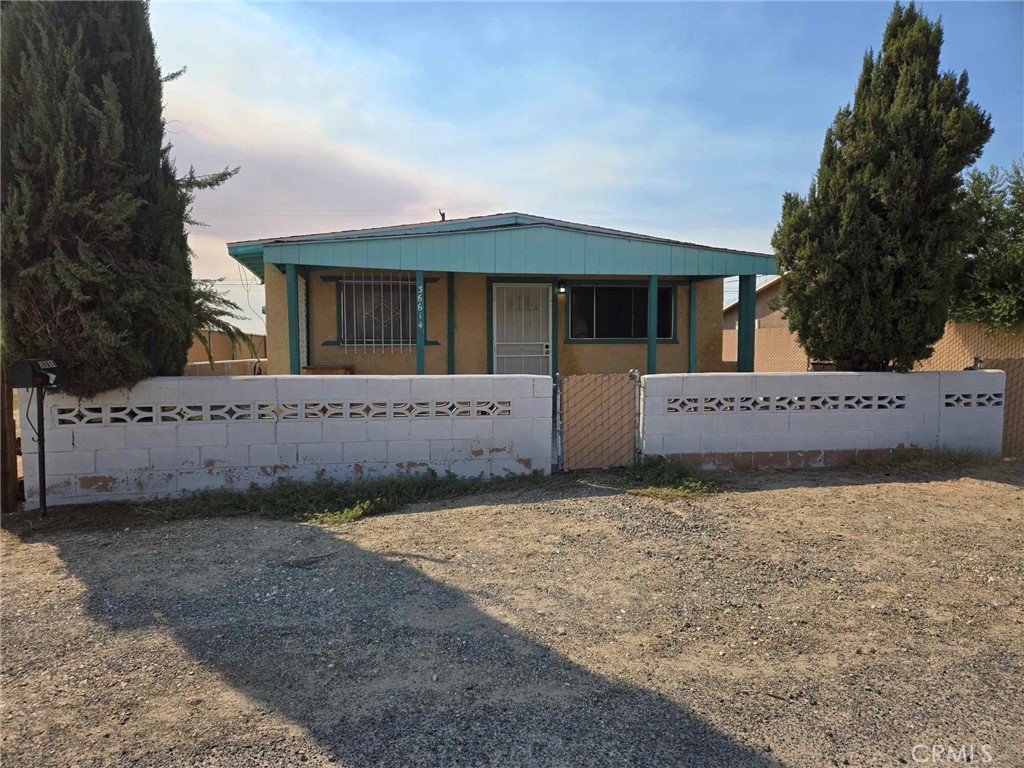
471, 468
508, 467
512, 387
653, 407
771, 442
534, 406
368, 451
388, 389
680, 444
651, 445
299, 431
145, 436
224, 456
202, 479
515, 427
387, 429
173, 458
815, 421
735, 421
92, 438
923, 438
148, 482
717, 443
718, 384
667, 424
344, 430
202, 434
431, 388
543, 386
541, 428
320, 453
473, 427
770, 422
961, 382
533, 448
124, 458
958, 418
430, 429
247, 433
409, 450
273, 454
299, 388
57, 440
472, 388
662, 385
69, 463
344, 389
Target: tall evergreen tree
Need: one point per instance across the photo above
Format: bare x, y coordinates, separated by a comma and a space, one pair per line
95, 259
871, 253
990, 288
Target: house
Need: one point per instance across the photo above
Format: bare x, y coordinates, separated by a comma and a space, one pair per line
505, 293
766, 312
779, 350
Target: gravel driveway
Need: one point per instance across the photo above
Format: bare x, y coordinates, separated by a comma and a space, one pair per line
796, 618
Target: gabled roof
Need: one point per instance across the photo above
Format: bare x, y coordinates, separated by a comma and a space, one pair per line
773, 280
500, 243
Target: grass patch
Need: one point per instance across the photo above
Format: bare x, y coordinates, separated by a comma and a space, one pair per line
665, 480
325, 501
941, 458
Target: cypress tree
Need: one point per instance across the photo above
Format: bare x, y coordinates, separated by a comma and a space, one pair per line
95, 257
870, 255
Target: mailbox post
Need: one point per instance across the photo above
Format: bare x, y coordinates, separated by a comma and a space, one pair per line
38, 375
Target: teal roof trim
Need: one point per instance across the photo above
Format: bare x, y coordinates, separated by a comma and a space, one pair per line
503, 244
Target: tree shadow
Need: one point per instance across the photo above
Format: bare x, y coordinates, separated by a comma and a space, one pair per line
380, 663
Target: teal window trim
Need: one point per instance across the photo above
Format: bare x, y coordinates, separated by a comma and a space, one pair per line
292, 280
553, 282
354, 277
642, 340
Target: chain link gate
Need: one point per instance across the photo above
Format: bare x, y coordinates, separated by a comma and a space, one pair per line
598, 419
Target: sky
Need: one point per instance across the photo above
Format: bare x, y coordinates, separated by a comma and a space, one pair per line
683, 120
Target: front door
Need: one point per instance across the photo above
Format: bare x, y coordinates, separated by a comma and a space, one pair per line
522, 328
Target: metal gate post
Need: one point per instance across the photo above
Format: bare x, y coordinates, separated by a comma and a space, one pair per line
635, 376
557, 437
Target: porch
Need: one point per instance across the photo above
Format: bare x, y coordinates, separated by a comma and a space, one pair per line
498, 294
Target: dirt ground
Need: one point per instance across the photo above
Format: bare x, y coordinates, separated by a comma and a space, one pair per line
796, 618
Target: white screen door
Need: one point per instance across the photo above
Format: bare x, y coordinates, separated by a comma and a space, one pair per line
522, 328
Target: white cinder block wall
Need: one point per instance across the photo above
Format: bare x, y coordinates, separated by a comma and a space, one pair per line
177, 434
804, 418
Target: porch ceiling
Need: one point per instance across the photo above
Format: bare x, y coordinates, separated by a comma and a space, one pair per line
503, 244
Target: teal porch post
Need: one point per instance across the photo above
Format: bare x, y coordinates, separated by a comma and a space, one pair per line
421, 324
451, 323
652, 324
691, 327
291, 275
745, 334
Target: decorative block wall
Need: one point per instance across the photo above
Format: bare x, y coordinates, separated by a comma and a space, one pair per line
813, 419
172, 435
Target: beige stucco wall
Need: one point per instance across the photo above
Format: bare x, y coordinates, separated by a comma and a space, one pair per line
471, 347
764, 311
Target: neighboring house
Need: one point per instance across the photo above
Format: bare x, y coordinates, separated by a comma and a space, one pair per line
778, 350
506, 293
765, 313
224, 349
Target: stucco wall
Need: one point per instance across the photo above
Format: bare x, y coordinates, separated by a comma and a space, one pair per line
764, 313
471, 342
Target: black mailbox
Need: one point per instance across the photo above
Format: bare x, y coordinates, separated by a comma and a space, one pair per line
28, 374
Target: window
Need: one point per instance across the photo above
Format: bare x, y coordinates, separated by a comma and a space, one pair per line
617, 312
376, 312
